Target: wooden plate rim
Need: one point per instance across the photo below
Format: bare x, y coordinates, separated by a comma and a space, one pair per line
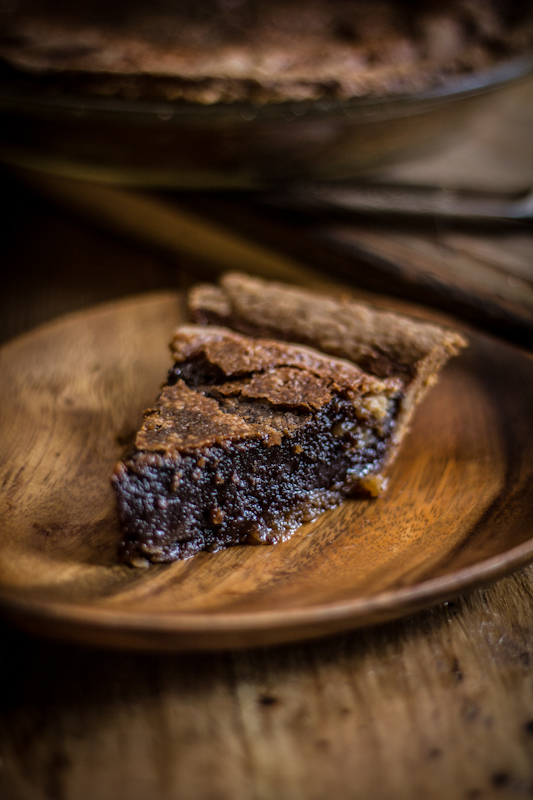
356, 613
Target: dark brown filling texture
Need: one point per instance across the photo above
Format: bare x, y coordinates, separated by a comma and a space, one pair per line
245, 492
280, 445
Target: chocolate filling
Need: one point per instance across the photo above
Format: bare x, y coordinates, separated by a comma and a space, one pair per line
244, 488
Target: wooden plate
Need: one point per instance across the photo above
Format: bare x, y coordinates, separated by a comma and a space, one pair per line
457, 512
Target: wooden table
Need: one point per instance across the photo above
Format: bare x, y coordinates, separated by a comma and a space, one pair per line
436, 706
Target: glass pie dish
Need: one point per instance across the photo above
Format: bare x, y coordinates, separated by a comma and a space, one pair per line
240, 145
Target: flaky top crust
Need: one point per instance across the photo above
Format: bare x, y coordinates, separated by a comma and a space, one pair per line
267, 389
238, 355
381, 342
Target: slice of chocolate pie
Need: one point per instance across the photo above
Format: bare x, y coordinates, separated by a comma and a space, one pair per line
248, 439
251, 436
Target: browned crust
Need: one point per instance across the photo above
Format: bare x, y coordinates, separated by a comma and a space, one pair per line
285, 382
381, 342
256, 51
237, 355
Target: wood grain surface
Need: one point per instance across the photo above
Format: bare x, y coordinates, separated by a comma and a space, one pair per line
457, 511
480, 275
436, 707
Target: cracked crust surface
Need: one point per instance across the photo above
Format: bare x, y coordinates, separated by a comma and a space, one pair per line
264, 389
381, 343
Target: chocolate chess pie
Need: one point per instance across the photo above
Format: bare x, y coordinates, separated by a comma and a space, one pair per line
261, 428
